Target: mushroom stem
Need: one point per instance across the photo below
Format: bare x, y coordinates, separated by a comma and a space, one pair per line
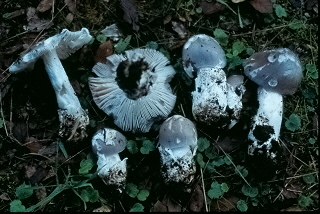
71, 114
210, 95
112, 169
265, 131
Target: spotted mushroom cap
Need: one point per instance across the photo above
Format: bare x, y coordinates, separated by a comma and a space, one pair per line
64, 43
108, 142
202, 51
277, 70
176, 132
151, 102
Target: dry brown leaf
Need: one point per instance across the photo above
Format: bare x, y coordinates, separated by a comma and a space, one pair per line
292, 189
224, 204
103, 208
4, 196
45, 5
36, 173
72, 5
211, 7
292, 209
69, 18
41, 193
179, 28
130, 13
263, 6
172, 206
159, 207
104, 50
197, 200
36, 24
20, 131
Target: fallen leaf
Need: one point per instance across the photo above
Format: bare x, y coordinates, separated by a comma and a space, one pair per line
228, 144
292, 209
103, 208
171, 205
16, 13
197, 200
130, 13
292, 189
104, 50
36, 24
41, 193
4, 196
315, 124
72, 5
45, 5
224, 204
179, 28
237, 1
211, 7
69, 18
167, 19
159, 207
42, 147
35, 173
20, 131
29, 171
263, 6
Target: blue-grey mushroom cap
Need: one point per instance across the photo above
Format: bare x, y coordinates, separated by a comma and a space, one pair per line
178, 131
64, 43
108, 142
277, 70
202, 51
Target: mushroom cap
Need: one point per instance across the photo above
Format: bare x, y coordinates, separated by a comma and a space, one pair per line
277, 70
64, 43
202, 51
176, 132
108, 142
135, 115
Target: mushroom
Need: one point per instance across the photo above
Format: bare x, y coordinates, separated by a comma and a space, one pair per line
214, 99
107, 144
278, 72
134, 88
73, 119
177, 147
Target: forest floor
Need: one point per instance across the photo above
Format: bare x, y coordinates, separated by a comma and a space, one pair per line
39, 171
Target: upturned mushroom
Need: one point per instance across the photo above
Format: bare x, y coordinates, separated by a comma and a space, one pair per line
107, 144
73, 118
214, 100
134, 88
278, 73
177, 147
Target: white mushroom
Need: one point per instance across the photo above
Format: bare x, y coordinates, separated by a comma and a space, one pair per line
107, 144
214, 100
134, 88
277, 72
178, 145
73, 119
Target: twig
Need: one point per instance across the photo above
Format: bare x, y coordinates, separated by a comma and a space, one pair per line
204, 191
2, 115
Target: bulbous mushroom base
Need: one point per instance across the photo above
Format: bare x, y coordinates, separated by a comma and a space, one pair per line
215, 100
116, 175
177, 169
73, 127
